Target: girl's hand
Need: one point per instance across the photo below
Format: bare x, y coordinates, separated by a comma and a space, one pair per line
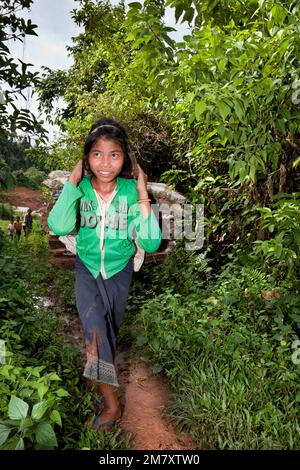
142, 179
75, 176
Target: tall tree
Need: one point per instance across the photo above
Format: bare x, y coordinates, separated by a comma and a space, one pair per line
15, 74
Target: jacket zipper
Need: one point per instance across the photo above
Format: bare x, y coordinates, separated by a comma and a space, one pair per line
103, 219
103, 206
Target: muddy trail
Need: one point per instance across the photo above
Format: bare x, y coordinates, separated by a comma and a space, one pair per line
144, 397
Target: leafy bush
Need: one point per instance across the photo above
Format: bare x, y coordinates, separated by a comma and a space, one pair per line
35, 176
36, 243
226, 347
2, 239
6, 211
7, 179
282, 221
31, 177
34, 429
20, 178
29, 395
33, 334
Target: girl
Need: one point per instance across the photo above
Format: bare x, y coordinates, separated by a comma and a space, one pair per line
113, 210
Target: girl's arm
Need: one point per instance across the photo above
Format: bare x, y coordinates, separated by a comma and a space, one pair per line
63, 215
148, 232
142, 216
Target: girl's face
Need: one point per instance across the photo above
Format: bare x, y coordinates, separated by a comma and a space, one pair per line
106, 159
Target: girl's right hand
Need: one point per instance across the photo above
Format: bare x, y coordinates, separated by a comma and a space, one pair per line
75, 176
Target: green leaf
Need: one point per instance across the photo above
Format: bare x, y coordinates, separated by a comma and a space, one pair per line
135, 5
200, 107
20, 444
297, 238
55, 418
239, 110
141, 340
37, 371
45, 436
278, 13
62, 393
224, 110
17, 408
54, 376
25, 424
11, 444
178, 12
271, 228
5, 372
4, 433
26, 392
39, 409
42, 389
189, 15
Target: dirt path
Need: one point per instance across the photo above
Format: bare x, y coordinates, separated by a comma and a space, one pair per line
144, 396
145, 399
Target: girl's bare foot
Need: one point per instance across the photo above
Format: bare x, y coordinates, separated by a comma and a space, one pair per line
107, 418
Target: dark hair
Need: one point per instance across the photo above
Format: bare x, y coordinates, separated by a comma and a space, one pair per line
113, 130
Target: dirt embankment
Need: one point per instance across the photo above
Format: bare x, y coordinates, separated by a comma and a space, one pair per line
20, 196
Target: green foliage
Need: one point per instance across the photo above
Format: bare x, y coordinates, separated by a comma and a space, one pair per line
7, 179
27, 428
282, 221
99, 83
32, 177
226, 346
30, 396
18, 154
63, 285
35, 176
36, 244
219, 86
55, 414
6, 211
14, 73
2, 239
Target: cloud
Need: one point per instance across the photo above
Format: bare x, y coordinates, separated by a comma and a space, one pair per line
55, 28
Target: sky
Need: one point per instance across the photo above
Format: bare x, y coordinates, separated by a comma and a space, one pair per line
55, 30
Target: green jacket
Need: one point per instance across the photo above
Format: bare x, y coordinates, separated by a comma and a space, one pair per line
104, 241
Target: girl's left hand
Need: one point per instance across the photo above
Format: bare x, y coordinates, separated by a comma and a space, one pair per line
142, 179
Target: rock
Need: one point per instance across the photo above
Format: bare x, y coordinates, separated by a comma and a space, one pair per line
59, 174
162, 191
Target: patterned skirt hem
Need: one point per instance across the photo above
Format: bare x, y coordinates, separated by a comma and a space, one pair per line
101, 371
